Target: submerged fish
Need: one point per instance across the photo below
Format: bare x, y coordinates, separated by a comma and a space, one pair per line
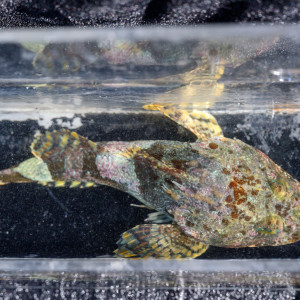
215, 191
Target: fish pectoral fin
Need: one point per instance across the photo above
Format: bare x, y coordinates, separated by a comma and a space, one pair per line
165, 241
159, 217
200, 123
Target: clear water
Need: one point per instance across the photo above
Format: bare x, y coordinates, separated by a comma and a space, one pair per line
96, 82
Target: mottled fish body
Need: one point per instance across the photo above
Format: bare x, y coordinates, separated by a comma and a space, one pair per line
215, 191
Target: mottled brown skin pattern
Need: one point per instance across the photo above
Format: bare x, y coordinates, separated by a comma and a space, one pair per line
222, 192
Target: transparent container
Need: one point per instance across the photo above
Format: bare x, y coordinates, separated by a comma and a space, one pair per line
59, 242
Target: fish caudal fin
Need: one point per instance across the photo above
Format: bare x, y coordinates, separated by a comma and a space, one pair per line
62, 158
12, 176
200, 123
165, 241
30, 170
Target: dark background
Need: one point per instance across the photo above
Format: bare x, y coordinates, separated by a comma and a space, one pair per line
36, 221
41, 13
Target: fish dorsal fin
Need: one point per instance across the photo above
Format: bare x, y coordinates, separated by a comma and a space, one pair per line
200, 123
56, 143
64, 152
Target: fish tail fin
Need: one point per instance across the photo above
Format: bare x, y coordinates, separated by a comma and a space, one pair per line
11, 176
59, 156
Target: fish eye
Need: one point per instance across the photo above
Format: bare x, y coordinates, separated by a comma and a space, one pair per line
281, 189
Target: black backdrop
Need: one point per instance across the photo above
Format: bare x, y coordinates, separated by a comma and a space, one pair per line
36, 13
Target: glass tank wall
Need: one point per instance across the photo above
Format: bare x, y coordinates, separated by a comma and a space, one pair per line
59, 242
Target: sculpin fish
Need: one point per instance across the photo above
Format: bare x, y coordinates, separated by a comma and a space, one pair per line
215, 191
